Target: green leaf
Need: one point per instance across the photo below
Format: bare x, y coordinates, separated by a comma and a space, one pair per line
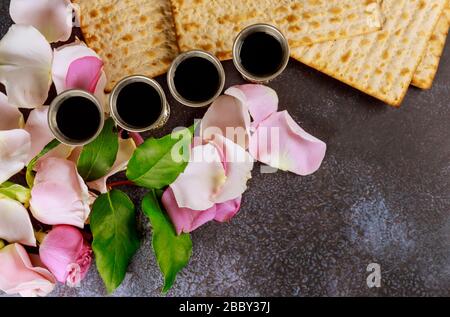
30, 174
172, 252
97, 158
154, 165
16, 192
113, 225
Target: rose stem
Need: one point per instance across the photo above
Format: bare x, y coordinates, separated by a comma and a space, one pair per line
120, 183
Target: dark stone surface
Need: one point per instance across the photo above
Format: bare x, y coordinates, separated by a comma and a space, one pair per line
382, 195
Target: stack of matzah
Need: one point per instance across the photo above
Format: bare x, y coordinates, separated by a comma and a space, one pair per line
383, 63
138, 36
131, 36
425, 73
213, 24
377, 46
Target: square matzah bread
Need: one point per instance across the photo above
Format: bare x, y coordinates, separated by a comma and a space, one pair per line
131, 36
212, 25
382, 63
425, 73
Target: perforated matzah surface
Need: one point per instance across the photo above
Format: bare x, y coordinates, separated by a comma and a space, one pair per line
382, 63
425, 73
212, 25
131, 36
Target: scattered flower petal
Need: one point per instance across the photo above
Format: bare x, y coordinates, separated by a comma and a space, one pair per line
280, 143
70, 66
238, 165
15, 224
61, 151
66, 254
203, 177
84, 73
227, 210
11, 117
19, 276
25, 66
59, 195
260, 100
37, 127
75, 154
229, 117
218, 172
39, 131
53, 18
15, 146
185, 220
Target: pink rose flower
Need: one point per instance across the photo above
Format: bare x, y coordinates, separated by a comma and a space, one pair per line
19, 276
66, 254
59, 195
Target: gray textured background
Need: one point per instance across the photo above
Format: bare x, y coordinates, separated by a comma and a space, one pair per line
382, 195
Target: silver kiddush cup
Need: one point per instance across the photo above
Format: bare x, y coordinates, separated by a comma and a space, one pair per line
265, 29
171, 81
75, 117
159, 119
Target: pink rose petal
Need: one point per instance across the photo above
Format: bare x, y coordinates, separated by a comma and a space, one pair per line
15, 146
81, 76
280, 143
37, 127
15, 224
202, 178
53, 18
39, 131
227, 117
59, 195
185, 220
84, 73
227, 210
11, 117
19, 276
238, 165
25, 66
260, 100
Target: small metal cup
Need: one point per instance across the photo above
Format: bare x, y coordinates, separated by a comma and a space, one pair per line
173, 69
240, 39
165, 113
53, 112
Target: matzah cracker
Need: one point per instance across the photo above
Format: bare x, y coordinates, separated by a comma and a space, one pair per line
382, 63
212, 25
425, 73
131, 36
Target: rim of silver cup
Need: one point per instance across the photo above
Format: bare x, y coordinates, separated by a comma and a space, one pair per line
237, 46
53, 111
165, 113
171, 77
